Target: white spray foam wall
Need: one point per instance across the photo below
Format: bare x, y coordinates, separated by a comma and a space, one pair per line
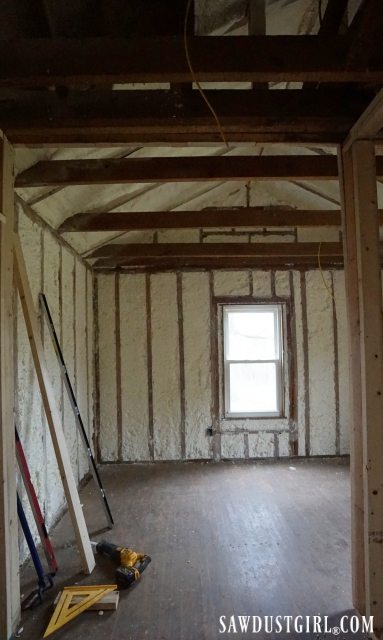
50, 269
171, 396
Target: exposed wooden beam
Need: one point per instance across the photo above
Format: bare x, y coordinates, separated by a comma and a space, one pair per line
177, 169
9, 565
346, 173
238, 217
257, 17
99, 117
219, 250
180, 169
332, 18
330, 22
257, 26
371, 349
369, 123
365, 34
68, 62
177, 263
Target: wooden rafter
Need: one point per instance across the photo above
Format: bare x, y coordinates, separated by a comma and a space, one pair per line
117, 117
238, 217
180, 169
365, 34
67, 62
332, 17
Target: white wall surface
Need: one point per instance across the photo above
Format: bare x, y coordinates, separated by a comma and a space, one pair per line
55, 270
168, 337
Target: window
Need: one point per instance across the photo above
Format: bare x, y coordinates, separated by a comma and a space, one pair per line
253, 360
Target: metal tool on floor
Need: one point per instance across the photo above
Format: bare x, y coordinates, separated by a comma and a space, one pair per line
35, 507
75, 600
44, 580
130, 563
76, 410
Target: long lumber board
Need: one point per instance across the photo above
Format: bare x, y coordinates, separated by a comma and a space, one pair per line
53, 419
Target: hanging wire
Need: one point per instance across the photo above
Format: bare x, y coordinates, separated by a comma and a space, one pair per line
197, 83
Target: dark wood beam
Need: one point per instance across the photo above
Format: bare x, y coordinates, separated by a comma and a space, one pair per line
245, 262
177, 169
66, 173
243, 217
365, 34
117, 117
369, 124
218, 250
75, 61
330, 22
332, 17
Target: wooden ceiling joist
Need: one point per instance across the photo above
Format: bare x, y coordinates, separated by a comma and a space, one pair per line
218, 256
71, 61
177, 169
243, 217
242, 262
218, 250
237, 217
100, 117
181, 169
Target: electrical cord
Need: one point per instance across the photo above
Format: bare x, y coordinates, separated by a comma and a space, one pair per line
197, 83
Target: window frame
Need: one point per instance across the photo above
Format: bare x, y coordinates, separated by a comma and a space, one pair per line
277, 309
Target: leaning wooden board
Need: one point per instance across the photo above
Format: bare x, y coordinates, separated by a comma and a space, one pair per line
53, 418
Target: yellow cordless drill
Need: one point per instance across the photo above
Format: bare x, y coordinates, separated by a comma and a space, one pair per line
130, 564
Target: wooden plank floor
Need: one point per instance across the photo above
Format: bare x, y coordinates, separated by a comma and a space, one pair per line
243, 539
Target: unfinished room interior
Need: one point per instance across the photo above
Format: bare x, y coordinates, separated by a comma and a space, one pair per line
191, 327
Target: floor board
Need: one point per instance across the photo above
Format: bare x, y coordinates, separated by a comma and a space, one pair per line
225, 539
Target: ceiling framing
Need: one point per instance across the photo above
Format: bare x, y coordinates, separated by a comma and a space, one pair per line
122, 145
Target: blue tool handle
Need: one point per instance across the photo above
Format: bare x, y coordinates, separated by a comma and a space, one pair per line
30, 543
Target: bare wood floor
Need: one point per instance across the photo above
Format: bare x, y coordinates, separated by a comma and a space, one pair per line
242, 539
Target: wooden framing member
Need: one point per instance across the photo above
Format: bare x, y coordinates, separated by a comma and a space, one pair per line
364, 193
369, 124
356, 438
66, 173
102, 117
220, 250
71, 61
218, 256
210, 218
53, 418
9, 565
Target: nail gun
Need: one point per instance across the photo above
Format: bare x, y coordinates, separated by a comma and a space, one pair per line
130, 563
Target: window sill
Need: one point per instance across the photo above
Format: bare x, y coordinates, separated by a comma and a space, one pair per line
254, 424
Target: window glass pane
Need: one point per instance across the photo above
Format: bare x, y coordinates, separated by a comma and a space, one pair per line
253, 388
251, 335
